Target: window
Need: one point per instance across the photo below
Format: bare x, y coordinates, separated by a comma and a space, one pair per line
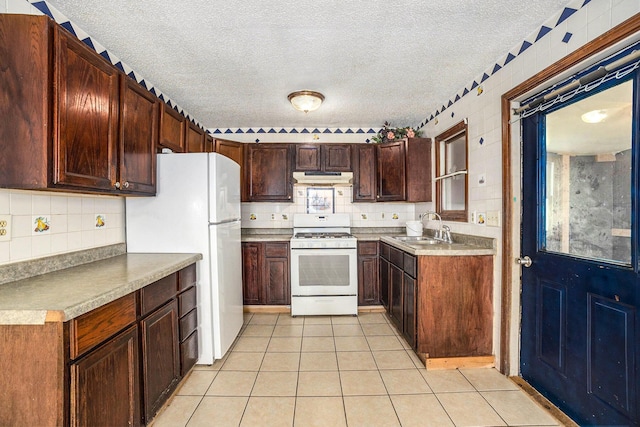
451, 173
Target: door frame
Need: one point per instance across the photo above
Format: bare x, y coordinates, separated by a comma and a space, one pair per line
511, 228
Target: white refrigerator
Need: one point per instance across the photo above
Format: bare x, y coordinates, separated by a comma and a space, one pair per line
197, 209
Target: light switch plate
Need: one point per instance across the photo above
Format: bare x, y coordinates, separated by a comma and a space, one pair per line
493, 218
5, 228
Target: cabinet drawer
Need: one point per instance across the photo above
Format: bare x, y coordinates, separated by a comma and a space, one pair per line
410, 265
368, 248
188, 324
187, 301
396, 256
94, 327
157, 293
276, 249
188, 353
384, 250
187, 277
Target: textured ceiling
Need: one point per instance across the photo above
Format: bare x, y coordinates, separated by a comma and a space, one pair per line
232, 64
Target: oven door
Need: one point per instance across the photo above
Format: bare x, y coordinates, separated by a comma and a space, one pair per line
324, 272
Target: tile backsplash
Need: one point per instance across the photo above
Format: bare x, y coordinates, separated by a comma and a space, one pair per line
47, 223
280, 215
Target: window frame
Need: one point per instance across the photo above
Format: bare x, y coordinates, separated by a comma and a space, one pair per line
441, 141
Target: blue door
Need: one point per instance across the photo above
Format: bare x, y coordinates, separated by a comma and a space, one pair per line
580, 337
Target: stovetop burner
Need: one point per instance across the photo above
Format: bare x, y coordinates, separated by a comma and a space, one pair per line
322, 235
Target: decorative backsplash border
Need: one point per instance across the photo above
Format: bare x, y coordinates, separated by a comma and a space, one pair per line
549, 25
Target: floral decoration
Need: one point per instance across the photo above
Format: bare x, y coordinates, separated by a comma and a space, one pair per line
389, 134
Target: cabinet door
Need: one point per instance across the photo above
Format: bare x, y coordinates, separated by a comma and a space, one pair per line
391, 172
368, 284
268, 172
105, 385
364, 173
194, 139
276, 274
308, 157
409, 309
252, 273
160, 356
209, 144
396, 305
418, 160
234, 151
86, 116
384, 283
172, 129
336, 157
138, 138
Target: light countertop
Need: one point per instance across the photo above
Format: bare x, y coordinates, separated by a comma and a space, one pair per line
65, 294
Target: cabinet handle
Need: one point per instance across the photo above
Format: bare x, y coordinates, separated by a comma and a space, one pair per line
117, 185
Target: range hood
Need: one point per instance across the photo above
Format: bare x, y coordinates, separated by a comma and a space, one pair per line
323, 178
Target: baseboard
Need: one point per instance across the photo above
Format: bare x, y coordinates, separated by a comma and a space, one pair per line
287, 309
435, 363
544, 402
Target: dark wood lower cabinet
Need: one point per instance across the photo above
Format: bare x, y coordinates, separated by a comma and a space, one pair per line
266, 273
368, 283
113, 366
384, 283
105, 385
396, 276
160, 356
409, 310
442, 305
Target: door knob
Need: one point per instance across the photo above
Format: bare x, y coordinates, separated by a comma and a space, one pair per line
524, 261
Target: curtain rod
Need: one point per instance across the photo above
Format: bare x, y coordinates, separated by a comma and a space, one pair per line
600, 72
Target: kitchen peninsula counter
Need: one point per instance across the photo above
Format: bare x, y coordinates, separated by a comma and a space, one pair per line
70, 292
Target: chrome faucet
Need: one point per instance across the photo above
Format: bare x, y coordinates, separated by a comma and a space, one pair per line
443, 233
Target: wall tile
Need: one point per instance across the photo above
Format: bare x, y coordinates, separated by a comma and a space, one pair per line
67, 223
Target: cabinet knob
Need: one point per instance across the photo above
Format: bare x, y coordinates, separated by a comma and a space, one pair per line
117, 184
126, 184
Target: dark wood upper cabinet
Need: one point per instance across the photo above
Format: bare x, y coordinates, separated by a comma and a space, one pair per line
173, 127
209, 144
194, 139
67, 128
336, 157
85, 115
323, 157
364, 172
138, 137
268, 172
235, 151
391, 176
404, 170
308, 157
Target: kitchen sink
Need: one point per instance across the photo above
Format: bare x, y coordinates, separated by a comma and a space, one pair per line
418, 240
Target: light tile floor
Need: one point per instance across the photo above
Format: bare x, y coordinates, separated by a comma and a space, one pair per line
340, 371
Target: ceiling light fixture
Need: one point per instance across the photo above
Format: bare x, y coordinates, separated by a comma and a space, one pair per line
595, 116
306, 100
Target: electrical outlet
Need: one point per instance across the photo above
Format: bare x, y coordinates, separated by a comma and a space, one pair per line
5, 228
493, 218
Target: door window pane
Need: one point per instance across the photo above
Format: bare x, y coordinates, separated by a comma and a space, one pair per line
588, 177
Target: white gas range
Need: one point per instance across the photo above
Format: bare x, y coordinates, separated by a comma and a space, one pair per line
324, 268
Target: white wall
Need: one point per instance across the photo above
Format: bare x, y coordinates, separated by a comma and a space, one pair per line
483, 111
